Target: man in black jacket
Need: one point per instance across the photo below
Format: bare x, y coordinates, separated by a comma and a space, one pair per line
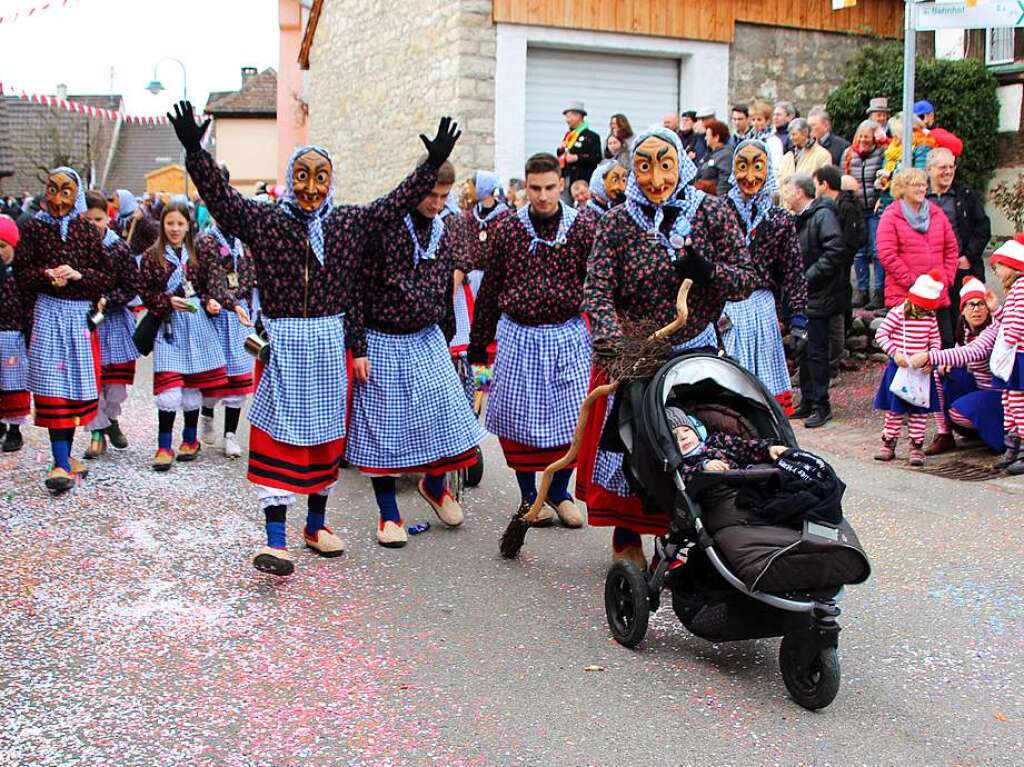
580, 151
821, 128
821, 243
965, 212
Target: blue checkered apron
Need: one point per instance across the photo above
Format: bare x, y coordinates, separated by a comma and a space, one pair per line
60, 360
462, 320
301, 395
412, 411
608, 465
755, 342
192, 347
541, 375
13, 361
116, 331
232, 334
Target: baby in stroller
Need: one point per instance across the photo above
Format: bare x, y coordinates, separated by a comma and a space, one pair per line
718, 451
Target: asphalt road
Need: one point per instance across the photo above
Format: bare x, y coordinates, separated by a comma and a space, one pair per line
133, 631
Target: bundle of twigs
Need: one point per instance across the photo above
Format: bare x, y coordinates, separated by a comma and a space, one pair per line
637, 353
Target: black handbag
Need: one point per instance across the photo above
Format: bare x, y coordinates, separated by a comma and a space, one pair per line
145, 333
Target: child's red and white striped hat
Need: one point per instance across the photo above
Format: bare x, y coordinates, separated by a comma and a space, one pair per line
926, 292
973, 289
1011, 253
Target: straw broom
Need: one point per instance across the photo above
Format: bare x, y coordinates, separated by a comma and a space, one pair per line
633, 355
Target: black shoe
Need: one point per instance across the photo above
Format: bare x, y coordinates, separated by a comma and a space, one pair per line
13, 441
116, 436
804, 411
818, 418
1016, 468
3, 429
1009, 456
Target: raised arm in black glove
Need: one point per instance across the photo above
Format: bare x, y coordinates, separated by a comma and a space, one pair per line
190, 133
437, 150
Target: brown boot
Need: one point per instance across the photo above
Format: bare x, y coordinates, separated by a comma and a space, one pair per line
888, 451
916, 456
941, 443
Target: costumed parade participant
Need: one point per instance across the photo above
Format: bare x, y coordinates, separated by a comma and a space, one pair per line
530, 300
15, 324
666, 232
483, 217
1007, 361
751, 332
239, 284
181, 292
133, 224
306, 252
62, 263
117, 349
607, 185
409, 411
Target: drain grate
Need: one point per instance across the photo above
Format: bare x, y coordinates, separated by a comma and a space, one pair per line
963, 471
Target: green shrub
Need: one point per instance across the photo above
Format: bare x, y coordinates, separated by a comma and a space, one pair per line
963, 93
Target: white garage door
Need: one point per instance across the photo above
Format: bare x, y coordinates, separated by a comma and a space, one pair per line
643, 88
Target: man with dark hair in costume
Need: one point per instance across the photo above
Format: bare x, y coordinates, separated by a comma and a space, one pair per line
62, 262
666, 232
305, 252
751, 332
409, 410
531, 300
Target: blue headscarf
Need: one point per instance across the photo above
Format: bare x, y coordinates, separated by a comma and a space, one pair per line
76, 210
314, 220
486, 183
126, 204
685, 198
597, 180
110, 238
234, 247
754, 210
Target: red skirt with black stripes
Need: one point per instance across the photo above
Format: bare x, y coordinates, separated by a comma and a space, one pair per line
208, 379
15, 404
118, 373
520, 457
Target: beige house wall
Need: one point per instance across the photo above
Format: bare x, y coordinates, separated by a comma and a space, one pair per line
383, 71
248, 146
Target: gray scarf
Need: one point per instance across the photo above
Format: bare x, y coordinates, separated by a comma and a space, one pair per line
918, 219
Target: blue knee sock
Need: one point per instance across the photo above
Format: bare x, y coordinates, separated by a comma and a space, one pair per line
384, 490
275, 516
315, 513
188, 434
527, 485
434, 484
60, 446
560, 486
623, 537
165, 428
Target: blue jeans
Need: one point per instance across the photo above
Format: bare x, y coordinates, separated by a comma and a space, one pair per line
867, 256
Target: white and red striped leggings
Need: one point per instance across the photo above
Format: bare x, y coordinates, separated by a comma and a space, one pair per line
917, 425
1013, 412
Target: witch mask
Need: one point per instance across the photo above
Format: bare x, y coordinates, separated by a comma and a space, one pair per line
311, 180
750, 165
615, 182
656, 166
61, 192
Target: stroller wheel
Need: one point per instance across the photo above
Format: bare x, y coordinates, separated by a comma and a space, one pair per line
625, 603
475, 473
814, 683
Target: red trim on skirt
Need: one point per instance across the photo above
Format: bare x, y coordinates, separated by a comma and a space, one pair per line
440, 466
60, 413
15, 404
237, 386
520, 457
605, 508
785, 399
118, 373
292, 468
208, 379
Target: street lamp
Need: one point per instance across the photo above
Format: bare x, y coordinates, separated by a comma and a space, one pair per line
155, 87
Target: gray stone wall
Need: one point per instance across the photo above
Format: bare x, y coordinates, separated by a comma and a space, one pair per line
383, 71
789, 64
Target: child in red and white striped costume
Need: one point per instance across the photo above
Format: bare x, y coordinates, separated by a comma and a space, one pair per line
1008, 264
909, 328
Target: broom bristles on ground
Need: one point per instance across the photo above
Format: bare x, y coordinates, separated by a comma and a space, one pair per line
515, 534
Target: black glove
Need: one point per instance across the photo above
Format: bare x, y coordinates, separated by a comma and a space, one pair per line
444, 142
190, 133
695, 267
476, 356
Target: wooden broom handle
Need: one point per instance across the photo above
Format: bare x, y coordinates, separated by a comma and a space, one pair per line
682, 314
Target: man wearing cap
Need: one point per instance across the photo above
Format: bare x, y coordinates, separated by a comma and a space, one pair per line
926, 112
693, 140
878, 110
580, 151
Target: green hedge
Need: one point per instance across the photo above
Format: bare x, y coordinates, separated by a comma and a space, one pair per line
963, 93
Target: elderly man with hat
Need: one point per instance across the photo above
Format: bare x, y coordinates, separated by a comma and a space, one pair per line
580, 150
878, 110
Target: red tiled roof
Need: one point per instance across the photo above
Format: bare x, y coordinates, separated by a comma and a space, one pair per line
257, 97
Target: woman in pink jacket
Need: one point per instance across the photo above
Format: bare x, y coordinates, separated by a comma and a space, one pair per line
914, 237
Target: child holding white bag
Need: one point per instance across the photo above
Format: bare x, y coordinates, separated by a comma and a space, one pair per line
909, 328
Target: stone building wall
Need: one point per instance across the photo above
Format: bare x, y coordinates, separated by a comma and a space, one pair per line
384, 71
795, 65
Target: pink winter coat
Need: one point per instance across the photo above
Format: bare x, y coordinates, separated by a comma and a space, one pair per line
906, 254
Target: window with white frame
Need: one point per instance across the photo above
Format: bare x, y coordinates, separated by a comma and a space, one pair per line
999, 45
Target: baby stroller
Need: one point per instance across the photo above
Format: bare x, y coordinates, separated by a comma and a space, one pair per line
739, 581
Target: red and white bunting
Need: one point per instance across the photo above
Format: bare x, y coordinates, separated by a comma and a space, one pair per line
28, 13
84, 109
